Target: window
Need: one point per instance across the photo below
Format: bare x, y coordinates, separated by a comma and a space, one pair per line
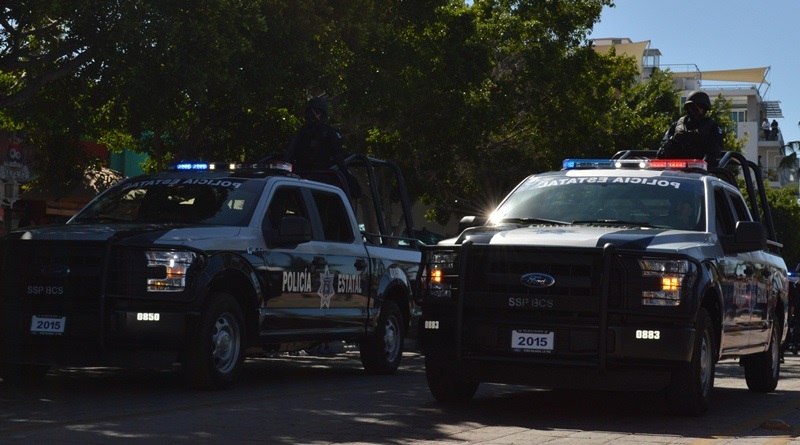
589, 199
739, 207
287, 201
224, 201
739, 116
336, 223
724, 219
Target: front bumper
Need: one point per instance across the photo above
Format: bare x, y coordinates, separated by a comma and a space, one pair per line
630, 361
644, 342
122, 338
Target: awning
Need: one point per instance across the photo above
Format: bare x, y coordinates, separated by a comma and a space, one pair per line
635, 50
754, 75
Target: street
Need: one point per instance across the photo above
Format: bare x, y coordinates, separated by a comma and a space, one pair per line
321, 400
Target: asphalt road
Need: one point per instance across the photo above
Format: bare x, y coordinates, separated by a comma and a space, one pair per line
321, 400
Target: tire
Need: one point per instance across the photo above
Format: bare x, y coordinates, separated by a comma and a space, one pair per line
691, 387
762, 370
444, 386
17, 374
381, 354
215, 357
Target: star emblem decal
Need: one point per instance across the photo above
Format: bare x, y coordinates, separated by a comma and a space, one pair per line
325, 291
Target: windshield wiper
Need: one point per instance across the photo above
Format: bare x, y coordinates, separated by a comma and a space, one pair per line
102, 219
535, 221
612, 222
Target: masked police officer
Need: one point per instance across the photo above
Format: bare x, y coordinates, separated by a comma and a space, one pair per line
318, 146
694, 135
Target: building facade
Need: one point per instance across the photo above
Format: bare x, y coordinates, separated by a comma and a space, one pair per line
745, 88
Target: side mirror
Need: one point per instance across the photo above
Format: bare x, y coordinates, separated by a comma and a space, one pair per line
470, 221
749, 236
293, 230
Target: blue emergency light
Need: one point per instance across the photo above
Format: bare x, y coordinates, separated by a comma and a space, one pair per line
193, 166
274, 166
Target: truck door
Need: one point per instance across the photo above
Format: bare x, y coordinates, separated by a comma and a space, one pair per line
759, 281
737, 273
293, 304
343, 294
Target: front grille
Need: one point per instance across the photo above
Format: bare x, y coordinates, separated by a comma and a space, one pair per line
503, 272
493, 275
55, 278
127, 271
495, 302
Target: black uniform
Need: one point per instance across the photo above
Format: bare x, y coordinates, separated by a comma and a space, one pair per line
690, 138
695, 135
317, 146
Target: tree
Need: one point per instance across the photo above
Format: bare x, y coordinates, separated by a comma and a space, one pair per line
42, 42
473, 99
785, 215
174, 80
469, 99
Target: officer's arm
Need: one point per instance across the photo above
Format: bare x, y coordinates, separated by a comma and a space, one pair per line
715, 145
337, 152
289, 155
665, 142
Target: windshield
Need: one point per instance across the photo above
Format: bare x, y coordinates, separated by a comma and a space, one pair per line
218, 201
674, 203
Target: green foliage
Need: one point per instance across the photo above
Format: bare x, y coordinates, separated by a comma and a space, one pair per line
468, 99
784, 205
786, 214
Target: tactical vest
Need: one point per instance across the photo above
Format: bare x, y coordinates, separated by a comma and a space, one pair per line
688, 142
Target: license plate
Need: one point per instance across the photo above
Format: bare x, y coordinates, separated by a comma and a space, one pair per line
532, 341
48, 325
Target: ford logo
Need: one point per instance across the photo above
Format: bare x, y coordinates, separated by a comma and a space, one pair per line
537, 280
55, 270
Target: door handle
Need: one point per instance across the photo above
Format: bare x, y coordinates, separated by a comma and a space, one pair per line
361, 264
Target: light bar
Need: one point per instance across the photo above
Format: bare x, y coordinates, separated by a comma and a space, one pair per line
652, 164
678, 164
193, 166
219, 166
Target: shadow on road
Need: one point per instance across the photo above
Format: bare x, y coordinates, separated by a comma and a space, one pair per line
289, 400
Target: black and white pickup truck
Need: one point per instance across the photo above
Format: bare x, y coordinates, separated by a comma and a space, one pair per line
627, 274
205, 263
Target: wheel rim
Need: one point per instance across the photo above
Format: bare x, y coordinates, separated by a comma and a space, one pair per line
775, 351
705, 364
391, 339
225, 342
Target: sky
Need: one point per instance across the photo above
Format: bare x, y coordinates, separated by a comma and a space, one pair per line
720, 35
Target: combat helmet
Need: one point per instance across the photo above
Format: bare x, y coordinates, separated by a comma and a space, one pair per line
699, 98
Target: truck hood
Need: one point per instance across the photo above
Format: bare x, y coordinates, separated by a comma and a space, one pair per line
635, 238
126, 233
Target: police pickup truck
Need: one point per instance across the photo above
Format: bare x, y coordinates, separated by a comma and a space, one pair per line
205, 263
623, 274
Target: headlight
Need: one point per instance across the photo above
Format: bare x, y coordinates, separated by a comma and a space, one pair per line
174, 264
437, 276
672, 274
442, 259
